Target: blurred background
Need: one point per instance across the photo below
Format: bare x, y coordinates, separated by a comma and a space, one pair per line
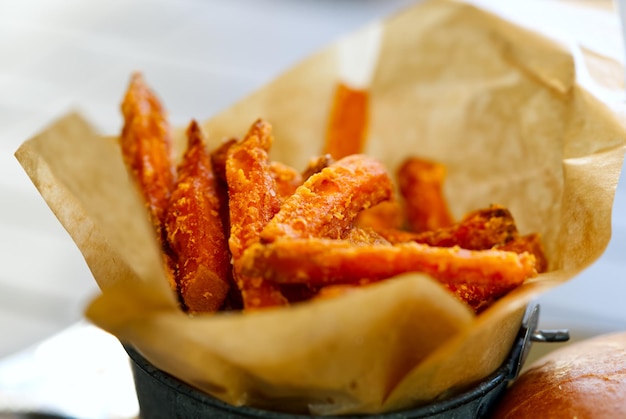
202, 56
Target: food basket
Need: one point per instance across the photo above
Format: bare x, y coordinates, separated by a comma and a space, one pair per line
162, 396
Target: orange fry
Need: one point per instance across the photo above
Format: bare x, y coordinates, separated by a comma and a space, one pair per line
253, 201
325, 261
146, 147
421, 185
195, 231
329, 201
316, 165
347, 124
384, 216
481, 229
287, 179
530, 243
479, 297
364, 236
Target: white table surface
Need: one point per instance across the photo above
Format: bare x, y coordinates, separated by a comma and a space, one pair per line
201, 56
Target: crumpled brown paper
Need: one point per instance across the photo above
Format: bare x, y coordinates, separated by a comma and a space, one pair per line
497, 104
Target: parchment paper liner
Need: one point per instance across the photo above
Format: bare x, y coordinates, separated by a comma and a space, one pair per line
497, 104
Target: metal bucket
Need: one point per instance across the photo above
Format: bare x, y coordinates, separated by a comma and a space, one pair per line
162, 396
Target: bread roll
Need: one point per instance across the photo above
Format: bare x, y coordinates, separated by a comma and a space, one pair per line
586, 379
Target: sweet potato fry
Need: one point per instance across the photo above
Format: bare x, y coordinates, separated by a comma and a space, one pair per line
479, 230
329, 201
348, 121
364, 236
530, 243
421, 185
287, 179
145, 143
325, 261
195, 231
146, 147
384, 216
478, 297
253, 201
316, 165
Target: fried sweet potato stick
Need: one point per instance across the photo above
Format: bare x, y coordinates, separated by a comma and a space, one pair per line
287, 179
387, 215
145, 143
478, 297
253, 201
327, 204
421, 185
479, 230
146, 147
530, 243
195, 231
325, 261
348, 121
316, 165
364, 236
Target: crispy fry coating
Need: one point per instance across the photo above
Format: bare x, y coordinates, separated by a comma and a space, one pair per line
348, 120
384, 216
195, 231
327, 204
421, 185
481, 229
324, 261
316, 165
253, 201
287, 179
145, 143
146, 147
479, 297
250, 182
530, 243
364, 236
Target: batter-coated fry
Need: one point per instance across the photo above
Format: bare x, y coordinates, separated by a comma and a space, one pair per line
316, 165
384, 216
327, 204
364, 236
530, 243
348, 121
481, 229
479, 297
287, 179
421, 185
324, 261
145, 143
195, 231
146, 147
253, 201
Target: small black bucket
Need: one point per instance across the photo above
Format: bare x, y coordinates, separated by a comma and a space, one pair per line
162, 396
